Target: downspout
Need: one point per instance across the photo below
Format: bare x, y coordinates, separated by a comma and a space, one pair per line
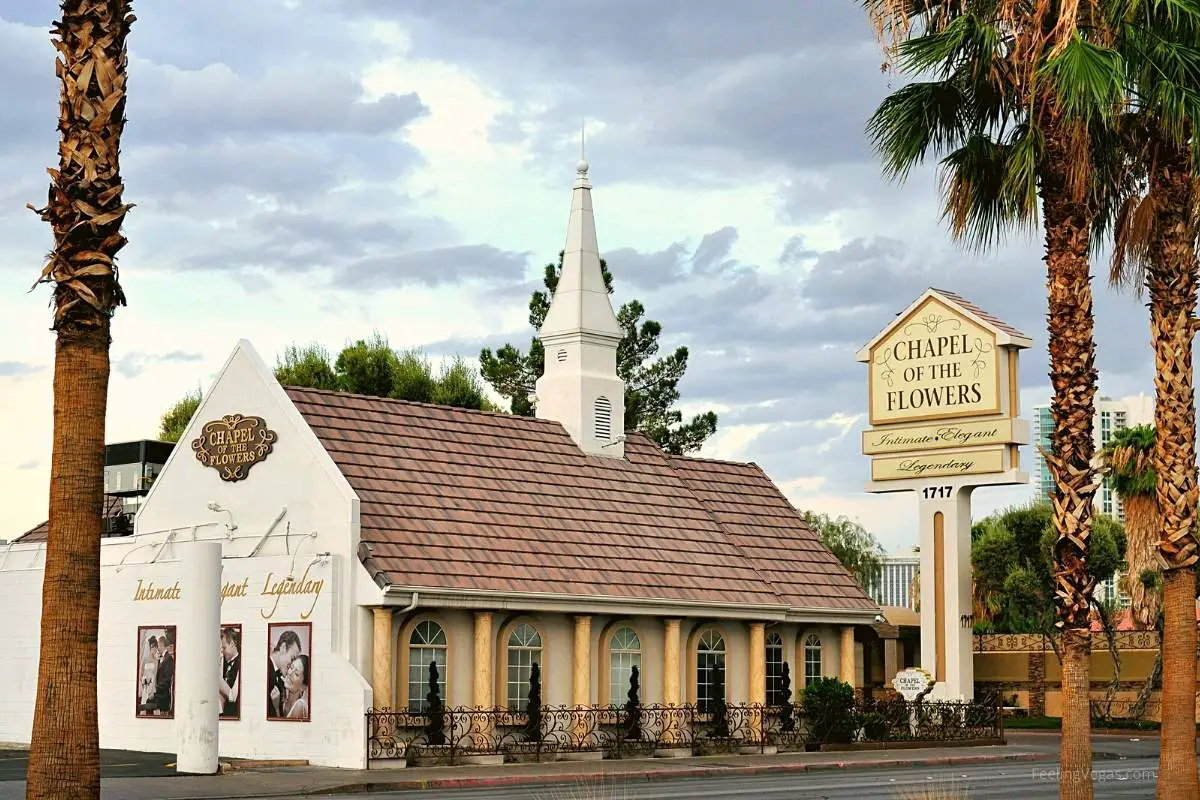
415, 597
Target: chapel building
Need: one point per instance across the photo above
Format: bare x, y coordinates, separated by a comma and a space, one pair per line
364, 538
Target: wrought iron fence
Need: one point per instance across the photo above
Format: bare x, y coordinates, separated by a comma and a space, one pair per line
453, 735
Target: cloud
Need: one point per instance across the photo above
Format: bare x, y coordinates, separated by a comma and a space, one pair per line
696, 91
437, 266
18, 369
131, 365
32, 463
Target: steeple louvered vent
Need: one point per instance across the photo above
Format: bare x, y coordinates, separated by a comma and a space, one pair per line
603, 417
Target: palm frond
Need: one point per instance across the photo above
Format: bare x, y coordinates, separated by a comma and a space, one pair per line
915, 119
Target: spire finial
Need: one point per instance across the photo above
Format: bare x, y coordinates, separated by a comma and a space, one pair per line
582, 167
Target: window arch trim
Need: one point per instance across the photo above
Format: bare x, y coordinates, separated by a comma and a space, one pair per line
501, 646
802, 641
403, 657
693, 644
604, 662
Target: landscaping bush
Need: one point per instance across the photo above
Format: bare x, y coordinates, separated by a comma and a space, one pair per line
828, 708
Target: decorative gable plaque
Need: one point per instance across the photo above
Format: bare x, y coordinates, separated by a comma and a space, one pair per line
233, 444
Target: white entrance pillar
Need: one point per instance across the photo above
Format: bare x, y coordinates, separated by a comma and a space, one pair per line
946, 620
197, 665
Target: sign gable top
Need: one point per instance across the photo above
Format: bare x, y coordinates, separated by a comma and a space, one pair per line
1005, 334
244, 352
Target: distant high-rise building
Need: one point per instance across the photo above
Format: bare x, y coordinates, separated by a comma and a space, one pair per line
1111, 415
894, 587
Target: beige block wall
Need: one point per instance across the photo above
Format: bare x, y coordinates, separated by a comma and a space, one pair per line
1001, 666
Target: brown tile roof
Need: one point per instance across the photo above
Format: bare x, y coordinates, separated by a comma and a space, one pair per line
771, 533
113, 506
979, 312
462, 499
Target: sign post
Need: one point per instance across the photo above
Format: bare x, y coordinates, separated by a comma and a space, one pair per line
943, 406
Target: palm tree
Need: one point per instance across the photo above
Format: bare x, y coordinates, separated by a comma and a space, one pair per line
85, 212
1128, 460
1151, 212
1012, 108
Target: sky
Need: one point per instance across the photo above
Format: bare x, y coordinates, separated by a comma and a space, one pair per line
316, 170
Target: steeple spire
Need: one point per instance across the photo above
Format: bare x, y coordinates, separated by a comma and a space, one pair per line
580, 387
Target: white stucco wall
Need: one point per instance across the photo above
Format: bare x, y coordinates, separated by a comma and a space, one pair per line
293, 512
334, 735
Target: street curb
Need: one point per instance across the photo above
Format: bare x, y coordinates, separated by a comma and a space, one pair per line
468, 782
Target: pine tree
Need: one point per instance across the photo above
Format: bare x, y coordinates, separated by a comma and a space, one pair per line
787, 722
533, 711
651, 384
435, 728
633, 706
720, 717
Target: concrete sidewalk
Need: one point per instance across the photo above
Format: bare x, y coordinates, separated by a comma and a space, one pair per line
266, 782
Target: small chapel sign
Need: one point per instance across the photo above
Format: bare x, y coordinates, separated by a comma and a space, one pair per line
233, 444
912, 683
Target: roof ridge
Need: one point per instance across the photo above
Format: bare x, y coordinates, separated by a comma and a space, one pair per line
417, 403
707, 460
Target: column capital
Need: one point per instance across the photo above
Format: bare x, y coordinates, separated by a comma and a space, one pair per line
754, 626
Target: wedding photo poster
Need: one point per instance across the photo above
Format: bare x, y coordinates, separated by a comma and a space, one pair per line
231, 672
289, 671
156, 671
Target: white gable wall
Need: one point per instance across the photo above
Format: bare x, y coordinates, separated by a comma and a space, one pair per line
317, 533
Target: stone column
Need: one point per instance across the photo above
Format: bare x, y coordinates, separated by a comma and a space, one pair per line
670, 694
1037, 684
483, 687
891, 659
846, 654
581, 681
758, 676
671, 669
382, 659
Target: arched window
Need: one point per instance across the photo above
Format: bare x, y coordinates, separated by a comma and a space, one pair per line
524, 650
603, 418
426, 645
710, 668
624, 653
812, 658
774, 669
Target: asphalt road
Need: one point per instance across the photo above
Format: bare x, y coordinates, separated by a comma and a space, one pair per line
113, 764
1125, 778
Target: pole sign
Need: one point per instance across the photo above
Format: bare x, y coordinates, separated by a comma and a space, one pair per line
942, 401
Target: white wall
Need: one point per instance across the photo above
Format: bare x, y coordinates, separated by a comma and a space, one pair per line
319, 516
335, 735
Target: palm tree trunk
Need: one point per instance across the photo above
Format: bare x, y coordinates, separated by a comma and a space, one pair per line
64, 753
85, 211
1141, 556
1171, 280
1073, 378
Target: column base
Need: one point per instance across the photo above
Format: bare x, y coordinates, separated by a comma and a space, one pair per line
673, 752
753, 750
489, 760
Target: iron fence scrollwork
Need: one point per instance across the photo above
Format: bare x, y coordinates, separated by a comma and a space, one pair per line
635, 730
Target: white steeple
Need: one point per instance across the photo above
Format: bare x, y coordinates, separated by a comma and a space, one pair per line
579, 387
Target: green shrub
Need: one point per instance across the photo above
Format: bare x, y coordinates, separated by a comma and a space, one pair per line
828, 708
